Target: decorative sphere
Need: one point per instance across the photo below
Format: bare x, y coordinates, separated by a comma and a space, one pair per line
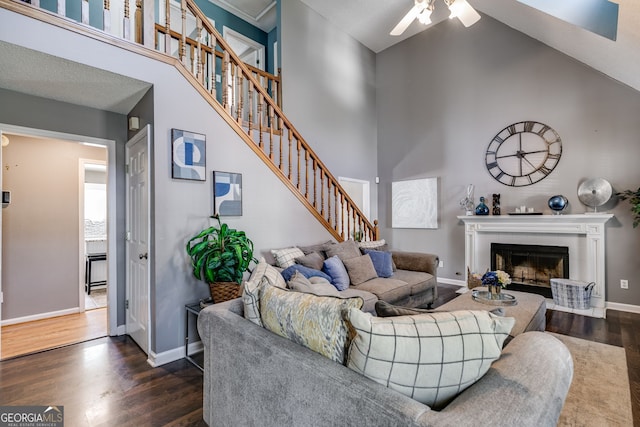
558, 203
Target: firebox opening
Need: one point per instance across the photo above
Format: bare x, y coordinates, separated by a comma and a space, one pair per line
531, 266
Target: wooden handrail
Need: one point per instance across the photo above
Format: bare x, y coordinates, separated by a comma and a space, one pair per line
248, 100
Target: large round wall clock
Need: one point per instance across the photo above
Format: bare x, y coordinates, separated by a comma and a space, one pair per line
523, 153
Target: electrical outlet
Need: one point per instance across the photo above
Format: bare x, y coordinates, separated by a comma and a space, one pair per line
624, 284
440, 264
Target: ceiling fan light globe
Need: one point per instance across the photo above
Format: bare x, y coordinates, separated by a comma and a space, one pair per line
464, 12
425, 17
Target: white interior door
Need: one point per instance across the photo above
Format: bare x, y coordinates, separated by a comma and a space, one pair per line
138, 235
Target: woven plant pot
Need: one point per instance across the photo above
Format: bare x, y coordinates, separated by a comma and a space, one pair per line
224, 291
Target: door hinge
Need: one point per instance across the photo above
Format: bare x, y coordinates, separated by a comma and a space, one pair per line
126, 304
126, 168
127, 237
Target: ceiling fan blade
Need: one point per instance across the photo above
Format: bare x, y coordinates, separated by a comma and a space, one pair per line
407, 20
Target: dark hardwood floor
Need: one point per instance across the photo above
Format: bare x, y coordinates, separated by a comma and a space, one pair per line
107, 381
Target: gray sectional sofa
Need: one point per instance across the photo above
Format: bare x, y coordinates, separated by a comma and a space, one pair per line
253, 377
412, 284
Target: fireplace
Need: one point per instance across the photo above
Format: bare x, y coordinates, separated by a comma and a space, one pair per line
531, 266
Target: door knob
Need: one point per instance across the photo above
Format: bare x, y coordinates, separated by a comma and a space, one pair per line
143, 256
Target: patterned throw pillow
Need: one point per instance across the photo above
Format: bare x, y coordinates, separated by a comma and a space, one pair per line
286, 257
265, 269
312, 321
360, 269
428, 357
334, 267
251, 299
372, 244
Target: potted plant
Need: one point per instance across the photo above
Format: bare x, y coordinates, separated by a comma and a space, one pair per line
634, 201
220, 255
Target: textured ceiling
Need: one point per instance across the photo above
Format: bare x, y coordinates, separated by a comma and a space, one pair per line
36, 73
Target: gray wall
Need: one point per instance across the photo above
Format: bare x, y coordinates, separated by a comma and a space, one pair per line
445, 93
272, 216
40, 228
329, 93
57, 116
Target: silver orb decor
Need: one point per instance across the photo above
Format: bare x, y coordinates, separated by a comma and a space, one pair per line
558, 203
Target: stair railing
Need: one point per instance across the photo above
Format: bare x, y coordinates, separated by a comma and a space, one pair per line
251, 99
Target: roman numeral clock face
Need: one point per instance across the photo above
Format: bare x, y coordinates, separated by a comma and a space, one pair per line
523, 153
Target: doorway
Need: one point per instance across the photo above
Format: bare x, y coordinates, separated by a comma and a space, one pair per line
48, 300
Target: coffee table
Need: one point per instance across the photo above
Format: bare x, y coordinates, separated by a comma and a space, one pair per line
529, 312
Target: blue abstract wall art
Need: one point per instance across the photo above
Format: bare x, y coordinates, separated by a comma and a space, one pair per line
188, 155
227, 193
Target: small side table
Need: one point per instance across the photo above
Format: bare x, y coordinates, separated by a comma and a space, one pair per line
192, 311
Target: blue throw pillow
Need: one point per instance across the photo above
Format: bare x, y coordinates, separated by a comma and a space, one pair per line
307, 272
334, 267
382, 262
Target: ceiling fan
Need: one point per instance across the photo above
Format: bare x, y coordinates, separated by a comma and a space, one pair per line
422, 9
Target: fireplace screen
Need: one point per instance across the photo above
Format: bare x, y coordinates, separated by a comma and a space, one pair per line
531, 265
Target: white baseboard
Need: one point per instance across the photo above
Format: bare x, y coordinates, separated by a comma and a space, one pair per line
40, 316
452, 281
159, 359
623, 307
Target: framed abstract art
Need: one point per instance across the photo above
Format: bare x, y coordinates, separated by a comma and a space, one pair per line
188, 155
227, 193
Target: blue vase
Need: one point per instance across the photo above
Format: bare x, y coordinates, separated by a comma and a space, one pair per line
482, 209
558, 203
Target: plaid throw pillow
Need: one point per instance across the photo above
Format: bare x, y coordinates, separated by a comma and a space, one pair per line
286, 257
428, 357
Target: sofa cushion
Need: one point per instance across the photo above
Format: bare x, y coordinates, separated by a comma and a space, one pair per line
334, 267
418, 281
315, 322
307, 272
311, 260
390, 290
428, 357
286, 257
384, 309
360, 269
319, 247
300, 283
370, 299
382, 262
344, 250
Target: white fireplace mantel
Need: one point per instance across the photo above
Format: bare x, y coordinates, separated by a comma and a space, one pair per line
584, 234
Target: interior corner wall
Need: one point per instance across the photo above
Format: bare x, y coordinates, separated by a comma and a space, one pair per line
446, 92
329, 93
40, 227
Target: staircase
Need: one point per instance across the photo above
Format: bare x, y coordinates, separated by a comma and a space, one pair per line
247, 98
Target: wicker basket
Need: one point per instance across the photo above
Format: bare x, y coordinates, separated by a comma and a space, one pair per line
572, 293
224, 291
472, 282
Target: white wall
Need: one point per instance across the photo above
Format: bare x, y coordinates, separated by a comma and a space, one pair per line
458, 88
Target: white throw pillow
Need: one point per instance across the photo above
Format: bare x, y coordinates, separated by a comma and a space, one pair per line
265, 269
428, 357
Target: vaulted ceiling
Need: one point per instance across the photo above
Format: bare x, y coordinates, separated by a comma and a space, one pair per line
370, 21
